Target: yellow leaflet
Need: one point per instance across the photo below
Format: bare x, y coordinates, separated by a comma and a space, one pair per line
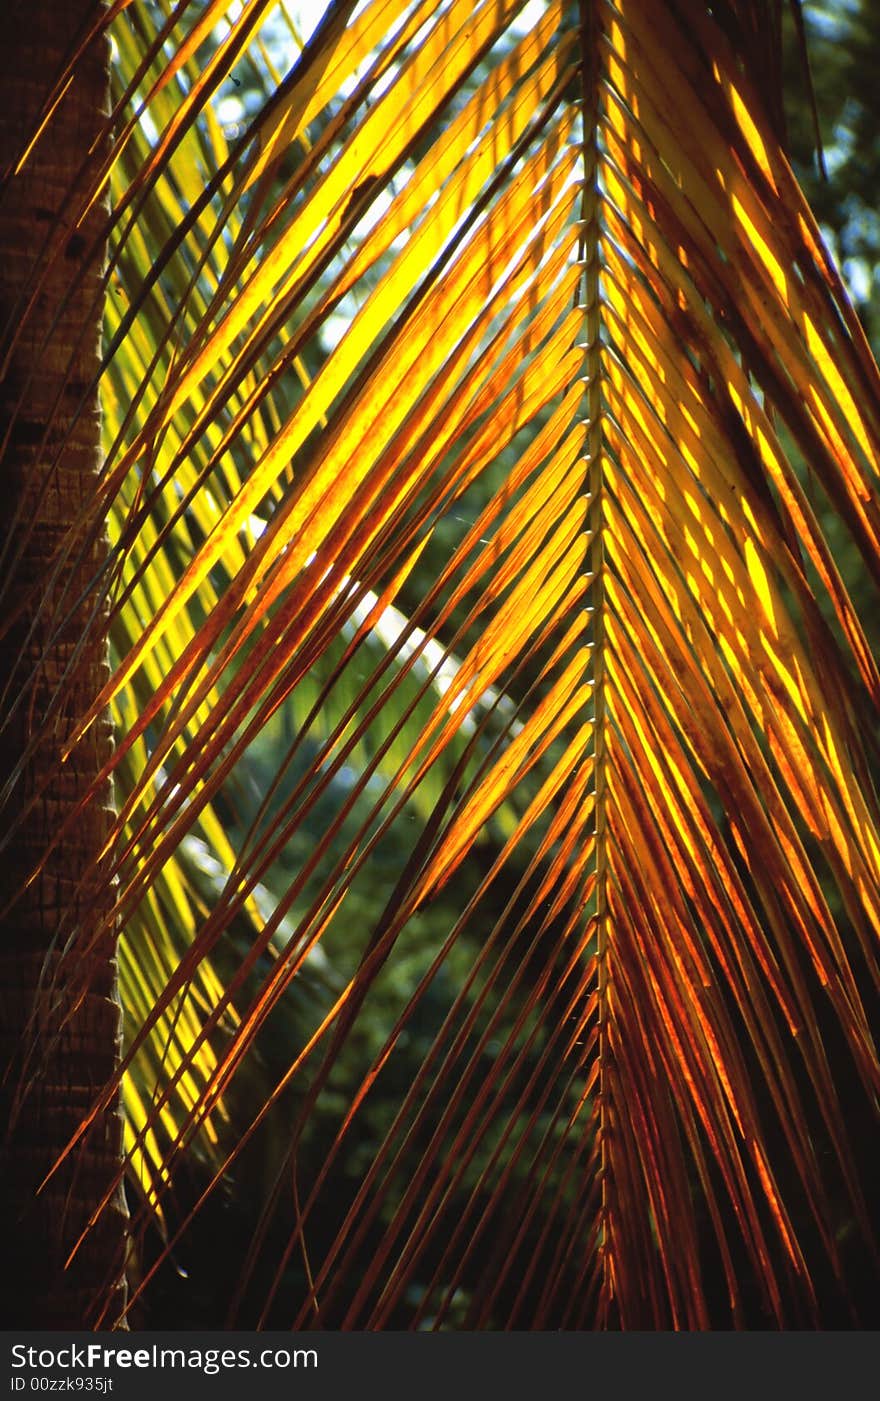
368, 155
425, 345
752, 416
532, 607
691, 1008
621, 302
759, 428
182, 112
520, 403
538, 448
615, 70
762, 248
456, 141
548, 499
567, 697
696, 602
702, 729
146, 1158
534, 597
631, 721
561, 823
759, 310
748, 128
761, 583
386, 298
564, 371
686, 148
536, 386
423, 350
341, 61
620, 194
422, 345
704, 556
688, 788
504, 374
840, 390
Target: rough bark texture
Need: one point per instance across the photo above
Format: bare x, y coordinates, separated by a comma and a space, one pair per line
59, 1013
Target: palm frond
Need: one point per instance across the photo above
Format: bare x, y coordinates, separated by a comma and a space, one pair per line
473, 419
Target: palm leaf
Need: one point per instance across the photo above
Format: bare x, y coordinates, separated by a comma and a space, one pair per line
528, 570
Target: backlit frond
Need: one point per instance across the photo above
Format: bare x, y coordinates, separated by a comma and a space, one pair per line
484, 677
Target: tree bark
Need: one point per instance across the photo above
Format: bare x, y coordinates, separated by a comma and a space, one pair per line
59, 1012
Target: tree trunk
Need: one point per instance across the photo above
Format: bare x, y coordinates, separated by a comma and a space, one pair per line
59, 1011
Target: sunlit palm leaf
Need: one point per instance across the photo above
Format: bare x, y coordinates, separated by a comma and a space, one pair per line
597, 383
